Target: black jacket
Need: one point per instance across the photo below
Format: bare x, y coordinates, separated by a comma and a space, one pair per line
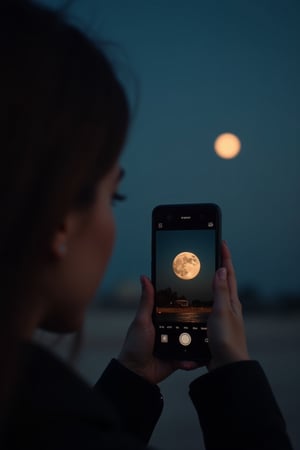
55, 409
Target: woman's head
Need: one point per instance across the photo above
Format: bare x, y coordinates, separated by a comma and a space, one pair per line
64, 117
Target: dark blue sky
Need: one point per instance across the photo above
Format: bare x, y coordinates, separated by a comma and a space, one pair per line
204, 68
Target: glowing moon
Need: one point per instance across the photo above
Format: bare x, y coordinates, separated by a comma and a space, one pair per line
186, 265
227, 146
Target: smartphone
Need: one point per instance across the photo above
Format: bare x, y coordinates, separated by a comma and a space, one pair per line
186, 251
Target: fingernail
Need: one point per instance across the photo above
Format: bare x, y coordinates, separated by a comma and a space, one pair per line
222, 273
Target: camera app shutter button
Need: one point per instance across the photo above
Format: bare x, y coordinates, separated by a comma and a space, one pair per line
185, 339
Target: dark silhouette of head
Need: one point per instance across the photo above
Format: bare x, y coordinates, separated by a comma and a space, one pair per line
63, 121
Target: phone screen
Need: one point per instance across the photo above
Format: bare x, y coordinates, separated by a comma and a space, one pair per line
185, 268
185, 247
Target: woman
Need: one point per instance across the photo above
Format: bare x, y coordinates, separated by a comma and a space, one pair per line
64, 118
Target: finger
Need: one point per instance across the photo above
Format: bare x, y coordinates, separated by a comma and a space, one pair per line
189, 365
183, 365
232, 283
227, 262
221, 301
146, 304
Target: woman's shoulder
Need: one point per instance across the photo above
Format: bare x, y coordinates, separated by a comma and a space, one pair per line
43, 371
48, 385
52, 403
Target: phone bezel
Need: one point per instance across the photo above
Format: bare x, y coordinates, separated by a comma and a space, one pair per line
174, 215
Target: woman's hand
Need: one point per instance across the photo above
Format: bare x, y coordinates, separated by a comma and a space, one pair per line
137, 352
226, 331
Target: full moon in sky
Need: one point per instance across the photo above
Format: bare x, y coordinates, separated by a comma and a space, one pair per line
227, 146
186, 265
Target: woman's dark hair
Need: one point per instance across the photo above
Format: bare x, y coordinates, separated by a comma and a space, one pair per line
63, 122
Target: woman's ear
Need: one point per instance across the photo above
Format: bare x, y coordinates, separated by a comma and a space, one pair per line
62, 236
59, 243
68, 231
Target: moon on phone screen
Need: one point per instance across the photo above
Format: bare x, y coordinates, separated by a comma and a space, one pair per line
186, 265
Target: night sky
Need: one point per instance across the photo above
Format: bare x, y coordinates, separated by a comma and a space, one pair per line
195, 69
